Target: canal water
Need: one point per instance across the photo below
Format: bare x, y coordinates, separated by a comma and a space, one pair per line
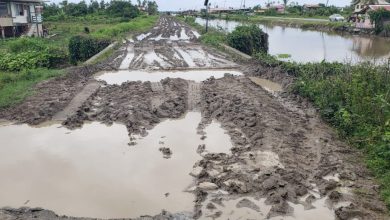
315, 46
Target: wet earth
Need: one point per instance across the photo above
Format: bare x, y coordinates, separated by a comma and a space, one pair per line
168, 128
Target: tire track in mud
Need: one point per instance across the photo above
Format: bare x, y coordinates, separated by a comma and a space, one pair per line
284, 157
194, 90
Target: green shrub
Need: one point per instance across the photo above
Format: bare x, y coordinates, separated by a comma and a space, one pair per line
355, 99
26, 44
248, 39
82, 48
378, 17
48, 58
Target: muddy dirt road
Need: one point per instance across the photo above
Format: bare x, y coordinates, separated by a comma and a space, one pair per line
240, 147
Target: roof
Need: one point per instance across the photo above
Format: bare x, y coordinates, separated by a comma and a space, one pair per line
221, 9
377, 7
382, 2
312, 6
27, 1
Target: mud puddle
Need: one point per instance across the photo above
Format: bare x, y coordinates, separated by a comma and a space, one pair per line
267, 84
97, 170
215, 139
122, 76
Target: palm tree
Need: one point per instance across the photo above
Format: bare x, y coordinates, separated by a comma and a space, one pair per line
285, 2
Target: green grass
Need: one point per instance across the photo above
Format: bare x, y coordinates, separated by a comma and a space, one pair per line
64, 30
14, 87
284, 56
139, 24
213, 37
355, 100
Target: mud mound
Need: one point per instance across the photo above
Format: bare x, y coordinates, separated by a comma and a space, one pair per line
307, 151
51, 96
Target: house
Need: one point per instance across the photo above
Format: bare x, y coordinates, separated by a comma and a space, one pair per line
278, 8
309, 7
20, 17
360, 5
361, 13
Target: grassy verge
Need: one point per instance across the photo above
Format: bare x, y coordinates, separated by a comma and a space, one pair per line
354, 99
14, 87
213, 37
27, 61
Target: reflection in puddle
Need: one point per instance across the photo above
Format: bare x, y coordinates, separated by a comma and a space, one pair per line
95, 170
196, 75
217, 141
267, 84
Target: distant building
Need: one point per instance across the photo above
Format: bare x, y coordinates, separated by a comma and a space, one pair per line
279, 9
309, 7
361, 5
217, 10
361, 13
20, 17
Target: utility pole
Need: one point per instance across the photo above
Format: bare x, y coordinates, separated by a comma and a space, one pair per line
206, 3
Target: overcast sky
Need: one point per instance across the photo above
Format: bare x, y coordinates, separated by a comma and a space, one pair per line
173, 5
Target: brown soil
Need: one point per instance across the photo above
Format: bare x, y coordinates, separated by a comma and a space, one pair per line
287, 126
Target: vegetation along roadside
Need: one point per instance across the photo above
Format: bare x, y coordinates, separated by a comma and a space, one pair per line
76, 32
354, 99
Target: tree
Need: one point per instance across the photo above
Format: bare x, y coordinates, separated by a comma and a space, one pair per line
102, 5
152, 8
285, 2
122, 9
93, 7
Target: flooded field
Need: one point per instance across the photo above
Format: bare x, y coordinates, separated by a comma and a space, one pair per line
98, 172
156, 76
315, 46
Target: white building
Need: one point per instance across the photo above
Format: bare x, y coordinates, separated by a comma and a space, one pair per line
20, 17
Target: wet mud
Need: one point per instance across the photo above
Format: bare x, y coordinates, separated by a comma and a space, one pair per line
280, 162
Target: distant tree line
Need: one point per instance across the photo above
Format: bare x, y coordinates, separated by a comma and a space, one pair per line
116, 8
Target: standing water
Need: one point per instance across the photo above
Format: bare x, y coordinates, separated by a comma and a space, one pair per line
315, 46
94, 172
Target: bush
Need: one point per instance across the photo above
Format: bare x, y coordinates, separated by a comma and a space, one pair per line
26, 44
82, 48
48, 57
355, 100
248, 39
378, 17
